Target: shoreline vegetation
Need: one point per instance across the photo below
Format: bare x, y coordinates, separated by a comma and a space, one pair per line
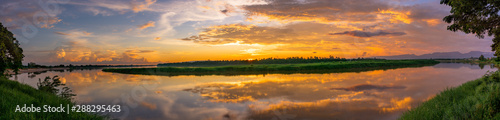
470, 61
13, 93
42, 68
288, 60
257, 69
474, 100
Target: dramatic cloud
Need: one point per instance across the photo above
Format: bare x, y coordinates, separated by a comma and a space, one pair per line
140, 6
252, 34
369, 34
328, 27
249, 29
79, 47
78, 53
149, 24
327, 11
228, 9
115, 5
15, 14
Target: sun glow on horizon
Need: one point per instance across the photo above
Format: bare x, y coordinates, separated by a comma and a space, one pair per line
151, 31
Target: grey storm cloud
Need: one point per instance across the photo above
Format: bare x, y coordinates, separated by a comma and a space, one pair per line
369, 34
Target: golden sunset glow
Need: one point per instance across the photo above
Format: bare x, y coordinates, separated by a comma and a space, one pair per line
249, 59
339, 95
153, 31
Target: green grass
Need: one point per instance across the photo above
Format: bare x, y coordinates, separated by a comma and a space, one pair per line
13, 93
474, 100
330, 67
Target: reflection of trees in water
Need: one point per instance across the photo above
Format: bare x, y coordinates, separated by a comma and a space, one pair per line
34, 74
468, 65
481, 65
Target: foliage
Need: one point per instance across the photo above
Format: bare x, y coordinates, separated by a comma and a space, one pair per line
13, 93
481, 58
288, 60
89, 66
11, 55
325, 67
51, 86
474, 100
34, 65
478, 17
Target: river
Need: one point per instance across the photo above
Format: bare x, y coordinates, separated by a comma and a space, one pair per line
378, 94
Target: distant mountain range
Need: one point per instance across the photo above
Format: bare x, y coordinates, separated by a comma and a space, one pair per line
440, 55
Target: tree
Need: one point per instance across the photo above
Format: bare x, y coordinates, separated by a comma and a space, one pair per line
11, 55
478, 17
482, 58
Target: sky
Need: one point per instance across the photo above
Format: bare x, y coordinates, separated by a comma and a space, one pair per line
56, 32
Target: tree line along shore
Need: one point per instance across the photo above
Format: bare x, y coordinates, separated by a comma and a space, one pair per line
322, 67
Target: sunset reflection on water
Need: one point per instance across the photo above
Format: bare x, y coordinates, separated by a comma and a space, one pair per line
379, 94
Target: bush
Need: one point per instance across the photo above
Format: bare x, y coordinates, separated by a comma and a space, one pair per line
50, 85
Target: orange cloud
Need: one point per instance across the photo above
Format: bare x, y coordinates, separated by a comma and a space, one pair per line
48, 23
147, 25
432, 22
328, 12
151, 106
75, 52
157, 38
140, 6
397, 16
369, 34
205, 7
62, 33
306, 37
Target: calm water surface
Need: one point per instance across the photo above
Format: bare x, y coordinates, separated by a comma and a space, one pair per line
379, 94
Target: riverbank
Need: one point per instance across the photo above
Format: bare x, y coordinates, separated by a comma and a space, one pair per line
330, 67
470, 61
13, 93
474, 100
31, 70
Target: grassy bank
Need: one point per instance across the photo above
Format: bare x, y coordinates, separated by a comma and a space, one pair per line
474, 100
13, 93
329, 67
